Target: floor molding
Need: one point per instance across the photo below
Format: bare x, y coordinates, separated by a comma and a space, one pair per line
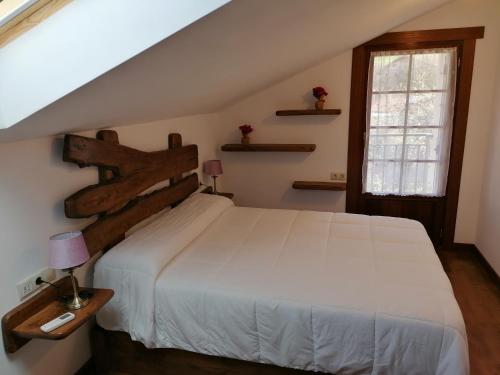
473, 249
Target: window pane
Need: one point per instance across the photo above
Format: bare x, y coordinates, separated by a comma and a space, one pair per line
419, 178
430, 71
385, 144
388, 110
426, 109
409, 123
383, 177
390, 72
423, 144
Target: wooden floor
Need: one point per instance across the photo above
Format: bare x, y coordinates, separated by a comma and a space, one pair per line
478, 295
479, 298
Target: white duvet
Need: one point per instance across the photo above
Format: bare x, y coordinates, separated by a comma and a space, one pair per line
338, 293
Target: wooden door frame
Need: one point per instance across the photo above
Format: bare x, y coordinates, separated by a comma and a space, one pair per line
465, 41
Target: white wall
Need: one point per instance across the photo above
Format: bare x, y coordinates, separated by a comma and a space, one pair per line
488, 234
33, 184
265, 179
81, 41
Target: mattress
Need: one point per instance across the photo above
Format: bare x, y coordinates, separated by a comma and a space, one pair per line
331, 292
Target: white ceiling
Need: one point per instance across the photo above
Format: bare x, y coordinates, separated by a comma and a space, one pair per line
237, 50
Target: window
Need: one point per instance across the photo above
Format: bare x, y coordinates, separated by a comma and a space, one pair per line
18, 16
410, 102
10, 9
418, 177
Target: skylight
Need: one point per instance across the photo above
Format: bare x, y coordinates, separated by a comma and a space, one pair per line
10, 9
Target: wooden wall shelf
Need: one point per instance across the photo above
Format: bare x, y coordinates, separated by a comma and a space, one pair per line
278, 147
319, 185
308, 112
23, 322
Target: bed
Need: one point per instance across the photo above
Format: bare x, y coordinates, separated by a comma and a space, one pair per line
330, 292
311, 291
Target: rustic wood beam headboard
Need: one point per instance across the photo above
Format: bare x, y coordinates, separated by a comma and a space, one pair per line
125, 173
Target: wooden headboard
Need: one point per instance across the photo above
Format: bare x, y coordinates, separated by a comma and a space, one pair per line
125, 173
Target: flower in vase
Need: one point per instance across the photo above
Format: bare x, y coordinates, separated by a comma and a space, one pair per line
319, 92
246, 129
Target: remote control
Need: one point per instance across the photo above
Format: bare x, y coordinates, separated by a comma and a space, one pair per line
57, 322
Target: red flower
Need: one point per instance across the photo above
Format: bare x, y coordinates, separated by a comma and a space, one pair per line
319, 91
245, 129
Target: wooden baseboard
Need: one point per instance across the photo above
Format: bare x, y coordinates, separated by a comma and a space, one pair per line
469, 247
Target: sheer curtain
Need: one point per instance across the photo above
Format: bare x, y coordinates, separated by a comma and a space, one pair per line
410, 104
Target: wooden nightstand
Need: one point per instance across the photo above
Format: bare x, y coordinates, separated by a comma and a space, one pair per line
23, 322
209, 190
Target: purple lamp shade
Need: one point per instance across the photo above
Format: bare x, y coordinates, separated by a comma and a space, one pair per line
67, 250
212, 167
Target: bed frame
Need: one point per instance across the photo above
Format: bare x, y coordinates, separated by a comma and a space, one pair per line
124, 174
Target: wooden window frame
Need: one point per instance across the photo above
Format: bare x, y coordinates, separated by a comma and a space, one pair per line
28, 18
465, 41
20, 16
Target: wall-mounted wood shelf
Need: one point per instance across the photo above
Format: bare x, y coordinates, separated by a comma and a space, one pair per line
308, 112
319, 185
278, 147
23, 322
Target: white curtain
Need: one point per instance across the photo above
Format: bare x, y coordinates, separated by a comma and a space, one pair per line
410, 104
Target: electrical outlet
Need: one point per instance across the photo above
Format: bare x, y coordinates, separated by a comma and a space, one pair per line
28, 285
337, 176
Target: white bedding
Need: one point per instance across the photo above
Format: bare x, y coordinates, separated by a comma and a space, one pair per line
339, 293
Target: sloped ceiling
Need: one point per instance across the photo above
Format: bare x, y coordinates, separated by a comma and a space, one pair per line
233, 52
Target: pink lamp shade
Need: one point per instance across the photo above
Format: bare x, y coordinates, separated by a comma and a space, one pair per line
67, 250
213, 167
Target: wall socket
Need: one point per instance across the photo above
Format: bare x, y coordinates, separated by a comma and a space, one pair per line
337, 176
28, 285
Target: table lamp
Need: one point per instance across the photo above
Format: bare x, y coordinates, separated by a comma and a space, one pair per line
213, 168
66, 252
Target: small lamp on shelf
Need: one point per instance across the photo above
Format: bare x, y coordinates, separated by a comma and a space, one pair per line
66, 252
213, 168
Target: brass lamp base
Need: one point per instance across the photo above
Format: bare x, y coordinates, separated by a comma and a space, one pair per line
77, 301
215, 185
